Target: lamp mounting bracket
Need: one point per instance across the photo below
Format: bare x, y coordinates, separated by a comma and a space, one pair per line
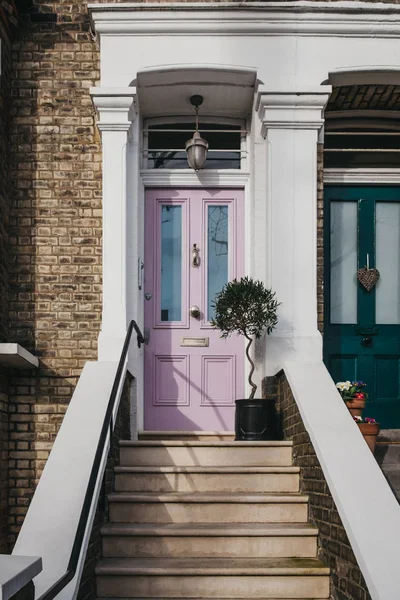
196, 100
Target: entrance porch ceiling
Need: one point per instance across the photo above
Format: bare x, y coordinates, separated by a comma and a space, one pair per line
364, 97
227, 91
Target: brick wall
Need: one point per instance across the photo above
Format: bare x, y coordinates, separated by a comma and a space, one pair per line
7, 23
334, 550
3, 469
55, 228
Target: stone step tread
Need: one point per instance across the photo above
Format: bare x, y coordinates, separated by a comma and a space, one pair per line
184, 434
392, 468
203, 444
199, 469
389, 435
211, 566
202, 598
210, 529
210, 497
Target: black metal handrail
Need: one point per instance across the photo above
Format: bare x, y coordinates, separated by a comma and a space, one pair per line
107, 426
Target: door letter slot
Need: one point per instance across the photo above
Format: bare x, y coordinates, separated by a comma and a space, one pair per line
198, 342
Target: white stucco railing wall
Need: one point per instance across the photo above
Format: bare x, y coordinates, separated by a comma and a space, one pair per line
16, 572
368, 508
50, 525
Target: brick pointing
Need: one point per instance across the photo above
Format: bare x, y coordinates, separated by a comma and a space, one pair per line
3, 468
7, 19
334, 549
55, 229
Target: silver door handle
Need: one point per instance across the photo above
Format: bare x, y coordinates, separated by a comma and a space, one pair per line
194, 311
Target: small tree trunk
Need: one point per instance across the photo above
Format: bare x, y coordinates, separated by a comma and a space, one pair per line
251, 382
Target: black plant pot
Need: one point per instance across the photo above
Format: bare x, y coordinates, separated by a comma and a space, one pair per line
255, 420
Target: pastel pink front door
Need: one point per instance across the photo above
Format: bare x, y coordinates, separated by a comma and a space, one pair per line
193, 246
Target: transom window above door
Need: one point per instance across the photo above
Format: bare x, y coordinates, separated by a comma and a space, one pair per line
164, 145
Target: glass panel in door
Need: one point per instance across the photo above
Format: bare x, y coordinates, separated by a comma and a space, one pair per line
343, 236
217, 253
171, 262
388, 258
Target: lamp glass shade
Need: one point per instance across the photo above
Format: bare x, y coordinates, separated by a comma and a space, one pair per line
196, 151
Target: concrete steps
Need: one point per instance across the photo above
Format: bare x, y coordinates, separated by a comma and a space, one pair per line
211, 453
387, 453
213, 578
206, 517
227, 436
207, 508
207, 479
250, 540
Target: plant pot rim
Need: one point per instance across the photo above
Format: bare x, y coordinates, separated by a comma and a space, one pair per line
270, 397
355, 401
371, 428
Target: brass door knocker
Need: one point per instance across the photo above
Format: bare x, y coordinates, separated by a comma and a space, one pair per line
195, 256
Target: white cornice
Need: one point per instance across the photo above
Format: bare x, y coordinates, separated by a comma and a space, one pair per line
115, 106
292, 109
340, 19
368, 176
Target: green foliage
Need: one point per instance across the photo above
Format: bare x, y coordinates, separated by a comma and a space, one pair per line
245, 307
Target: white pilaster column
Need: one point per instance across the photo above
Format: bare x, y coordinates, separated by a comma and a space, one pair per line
291, 121
116, 111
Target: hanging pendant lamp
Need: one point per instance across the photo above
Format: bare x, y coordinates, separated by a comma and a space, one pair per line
197, 147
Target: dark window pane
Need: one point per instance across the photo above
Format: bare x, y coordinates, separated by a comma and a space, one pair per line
166, 149
361, 159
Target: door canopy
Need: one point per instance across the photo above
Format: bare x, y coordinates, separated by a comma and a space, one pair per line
227, 91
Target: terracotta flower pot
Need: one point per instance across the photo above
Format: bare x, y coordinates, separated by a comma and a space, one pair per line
356, 406
370, 433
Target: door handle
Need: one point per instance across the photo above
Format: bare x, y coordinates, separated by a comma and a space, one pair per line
366, 341
194, 311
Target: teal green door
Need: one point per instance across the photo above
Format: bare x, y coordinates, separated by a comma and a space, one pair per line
362, 328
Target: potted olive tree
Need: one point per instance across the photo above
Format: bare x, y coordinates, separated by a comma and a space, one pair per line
247, 308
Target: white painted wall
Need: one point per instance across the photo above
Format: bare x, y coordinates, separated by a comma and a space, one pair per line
292, 46
288, 45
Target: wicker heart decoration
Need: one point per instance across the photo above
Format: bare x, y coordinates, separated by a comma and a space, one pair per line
368, 277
